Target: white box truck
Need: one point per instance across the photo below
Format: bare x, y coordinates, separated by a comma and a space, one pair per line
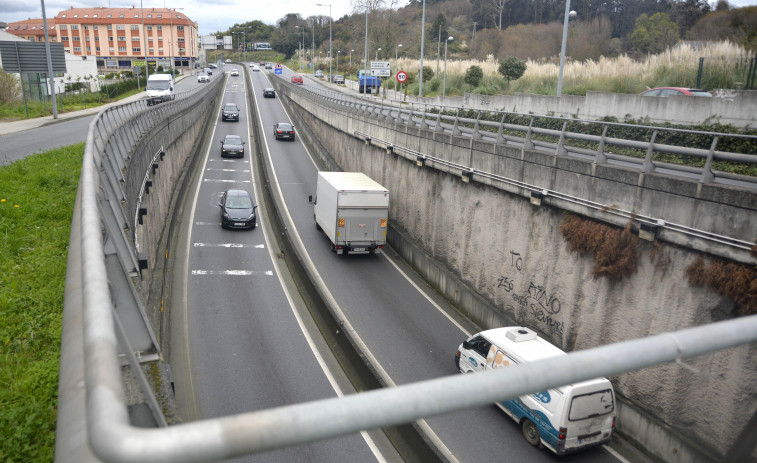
159, 88
565, 419
352, 210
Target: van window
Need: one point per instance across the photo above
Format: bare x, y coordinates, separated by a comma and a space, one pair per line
480, 345
596, 403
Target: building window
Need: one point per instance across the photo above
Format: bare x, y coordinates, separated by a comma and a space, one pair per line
153, 50
110, 27
62, 16
160, 50
149, 39
160, 28
121, 16
89, 49
149, 16
181, 49
136, 15
120, 27
112, 49
134, 27
178, 16
77, 49
108, 16
122, 49
122, 38
149, 28
64, 38
110, 37
76, 38
74, 27
97, 38
181, 39
76, 16
136, 49
34, 27
86, 16
94, 15
94, 27
86, 28
63, 27
135, 39
97, 49
179, 28
160, 16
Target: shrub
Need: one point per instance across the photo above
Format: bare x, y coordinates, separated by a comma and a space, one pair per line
734, 281
9, 88
512, 68
615, 251
473, 76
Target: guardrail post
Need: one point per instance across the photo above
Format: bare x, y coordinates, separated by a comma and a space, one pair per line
456, 132
648, 164
438, 126
527, 143
500, 134
423, 124
476, 133
561, 151
601, 157
388, 117
707, 175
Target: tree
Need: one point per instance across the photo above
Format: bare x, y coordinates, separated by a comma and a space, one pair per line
439, 27
473, 76
428, 73
512, 68
499, 6
9, 88
655, 34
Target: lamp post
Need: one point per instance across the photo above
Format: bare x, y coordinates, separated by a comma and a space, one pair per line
312, 55
173, 38
144, 41
337, 60
568, 14
50, 74
444, 80
331, 53
238, 39
396, 54
351, 57
301, 46
365, 50
423, 40
377, 50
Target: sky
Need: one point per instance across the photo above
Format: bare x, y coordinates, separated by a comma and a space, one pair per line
211, 16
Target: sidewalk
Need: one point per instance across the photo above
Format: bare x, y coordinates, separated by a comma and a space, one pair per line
33, 123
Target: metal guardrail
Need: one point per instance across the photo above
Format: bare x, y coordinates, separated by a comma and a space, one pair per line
90, 345
492, 126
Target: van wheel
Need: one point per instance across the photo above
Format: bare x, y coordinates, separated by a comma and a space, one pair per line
318, 227
531, 433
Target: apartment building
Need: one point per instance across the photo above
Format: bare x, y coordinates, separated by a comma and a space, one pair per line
120, 38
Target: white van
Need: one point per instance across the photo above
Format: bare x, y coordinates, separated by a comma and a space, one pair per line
565, 419
159, 88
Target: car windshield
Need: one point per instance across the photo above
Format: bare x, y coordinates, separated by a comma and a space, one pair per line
238, 202
202, 74
269, 90
158, 85
285, 127
703, 93
230, 107
233, 140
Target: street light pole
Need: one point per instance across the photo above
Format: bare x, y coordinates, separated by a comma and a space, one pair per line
444, 81
377, 50
423, 40
337, 60
331, 52
351, 57
50, 74
396, 68
144, 42
568, 14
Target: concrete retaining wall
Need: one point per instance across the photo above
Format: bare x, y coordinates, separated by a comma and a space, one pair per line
504, 260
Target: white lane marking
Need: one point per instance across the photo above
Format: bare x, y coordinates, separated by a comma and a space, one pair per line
210, 169
239, 273
221, 180
228, 245
275, 184
217, 224
428, 298
229, 160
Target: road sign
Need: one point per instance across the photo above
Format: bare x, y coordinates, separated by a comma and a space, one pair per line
380, 65
278, 70
278, 65
381, 72
401, 77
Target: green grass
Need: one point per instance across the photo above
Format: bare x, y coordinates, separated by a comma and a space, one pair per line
17, 110
36, 204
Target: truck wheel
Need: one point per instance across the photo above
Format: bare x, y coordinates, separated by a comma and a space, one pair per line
318, 227
531, 433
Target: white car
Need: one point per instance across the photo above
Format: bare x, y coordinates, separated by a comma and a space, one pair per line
319, 74
234, 72
339, 80
203, 77
228, 60
255, 68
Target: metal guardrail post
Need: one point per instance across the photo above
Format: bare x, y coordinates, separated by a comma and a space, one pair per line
476, 134
707, 175
500, 133
560, 150
456, 132
527, 143
648, 165
601, 157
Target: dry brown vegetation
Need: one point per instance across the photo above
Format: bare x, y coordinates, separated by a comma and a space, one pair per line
615, 251
734, 281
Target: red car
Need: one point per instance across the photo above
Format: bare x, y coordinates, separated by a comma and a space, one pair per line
297, 80
676, 91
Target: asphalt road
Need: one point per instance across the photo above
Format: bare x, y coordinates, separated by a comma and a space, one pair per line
239, 341
410, 331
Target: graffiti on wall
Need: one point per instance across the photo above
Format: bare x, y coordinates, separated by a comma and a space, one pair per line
540, 304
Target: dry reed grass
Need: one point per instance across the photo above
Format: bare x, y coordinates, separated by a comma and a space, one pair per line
734, 281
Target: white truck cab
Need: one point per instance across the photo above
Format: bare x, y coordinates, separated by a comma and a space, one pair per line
159, 88
566, 419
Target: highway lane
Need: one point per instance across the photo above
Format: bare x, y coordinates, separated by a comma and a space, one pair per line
412, 338
237, 342
18, 145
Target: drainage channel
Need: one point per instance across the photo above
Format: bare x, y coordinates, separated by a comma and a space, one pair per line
408, 441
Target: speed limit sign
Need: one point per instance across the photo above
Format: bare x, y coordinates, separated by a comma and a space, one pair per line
401, 76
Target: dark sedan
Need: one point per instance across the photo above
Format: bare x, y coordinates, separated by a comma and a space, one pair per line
237, 210
269, 93
283, 131
232, 146
230, 112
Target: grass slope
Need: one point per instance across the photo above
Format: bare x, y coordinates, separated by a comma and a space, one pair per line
36, 205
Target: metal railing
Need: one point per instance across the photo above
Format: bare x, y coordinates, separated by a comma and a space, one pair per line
90, 345
599, 141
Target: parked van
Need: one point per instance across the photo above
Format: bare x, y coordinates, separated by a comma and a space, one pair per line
566, 419
159, 88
